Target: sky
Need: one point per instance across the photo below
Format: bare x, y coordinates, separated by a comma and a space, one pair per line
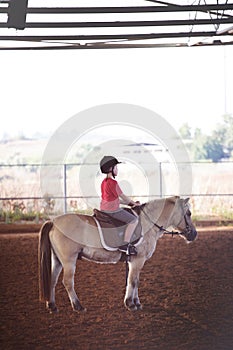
40, 90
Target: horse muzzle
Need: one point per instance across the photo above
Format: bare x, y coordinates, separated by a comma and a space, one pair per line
190, 234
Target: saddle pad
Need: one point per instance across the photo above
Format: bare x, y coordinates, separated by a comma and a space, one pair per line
113, 230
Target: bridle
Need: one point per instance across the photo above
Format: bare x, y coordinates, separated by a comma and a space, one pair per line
187, 228
165, 231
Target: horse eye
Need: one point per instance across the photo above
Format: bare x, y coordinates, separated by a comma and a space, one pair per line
189, 212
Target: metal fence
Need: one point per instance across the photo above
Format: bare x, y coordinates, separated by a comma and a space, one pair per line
20, 186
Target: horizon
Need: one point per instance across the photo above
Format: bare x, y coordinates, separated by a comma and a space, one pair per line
96, 135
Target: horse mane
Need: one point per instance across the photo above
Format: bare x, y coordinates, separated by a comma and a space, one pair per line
140, 208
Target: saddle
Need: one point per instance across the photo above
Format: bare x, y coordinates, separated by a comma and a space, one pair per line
113, 230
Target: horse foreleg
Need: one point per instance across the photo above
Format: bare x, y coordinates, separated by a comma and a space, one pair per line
131, 300
56, 270
68, 281
136, 298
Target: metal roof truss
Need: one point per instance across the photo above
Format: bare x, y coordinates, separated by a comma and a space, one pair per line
160, 24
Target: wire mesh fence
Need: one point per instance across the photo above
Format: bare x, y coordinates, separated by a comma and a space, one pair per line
20, 185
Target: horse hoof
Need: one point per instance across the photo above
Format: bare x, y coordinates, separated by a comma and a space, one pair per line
53, 311
51, 307
132, 308
79, 308
139, 307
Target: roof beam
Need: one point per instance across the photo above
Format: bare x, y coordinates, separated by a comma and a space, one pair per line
188, 22
107, 46
126, 9
109, 36
17, 10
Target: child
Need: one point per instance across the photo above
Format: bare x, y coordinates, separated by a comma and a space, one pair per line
112, 196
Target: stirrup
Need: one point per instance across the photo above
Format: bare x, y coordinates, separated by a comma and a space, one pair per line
128, 249
132, 250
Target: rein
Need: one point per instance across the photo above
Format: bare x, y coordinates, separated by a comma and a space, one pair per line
161, 228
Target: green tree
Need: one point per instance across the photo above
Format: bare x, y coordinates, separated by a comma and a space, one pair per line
185, 131
228, 133
214, 148
198, 151
222, 138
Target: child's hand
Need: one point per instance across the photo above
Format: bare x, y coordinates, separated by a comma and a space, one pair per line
136, 204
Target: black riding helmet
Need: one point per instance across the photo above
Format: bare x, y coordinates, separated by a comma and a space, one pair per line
108, 162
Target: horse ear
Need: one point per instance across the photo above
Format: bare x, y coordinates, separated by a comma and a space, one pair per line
186, 200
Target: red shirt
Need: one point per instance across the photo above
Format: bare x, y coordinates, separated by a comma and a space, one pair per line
110, 194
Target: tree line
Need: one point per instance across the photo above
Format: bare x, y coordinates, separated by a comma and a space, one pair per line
215, 147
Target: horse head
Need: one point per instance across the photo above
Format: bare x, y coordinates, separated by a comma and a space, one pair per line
185, 224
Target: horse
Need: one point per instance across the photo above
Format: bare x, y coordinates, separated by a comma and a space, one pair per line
56, 251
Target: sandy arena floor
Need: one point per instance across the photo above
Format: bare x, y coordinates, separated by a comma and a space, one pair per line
186, 292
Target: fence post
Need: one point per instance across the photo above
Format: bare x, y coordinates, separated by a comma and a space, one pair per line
160, 180
65, 188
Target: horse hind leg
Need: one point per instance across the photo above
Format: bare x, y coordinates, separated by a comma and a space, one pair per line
56, 270
131, 300
68, 282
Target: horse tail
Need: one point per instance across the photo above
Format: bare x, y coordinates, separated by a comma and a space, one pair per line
44, 257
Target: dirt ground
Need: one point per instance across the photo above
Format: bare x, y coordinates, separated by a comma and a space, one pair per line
186, 292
